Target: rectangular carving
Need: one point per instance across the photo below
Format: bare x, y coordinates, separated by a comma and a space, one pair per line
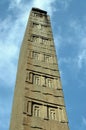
29, 108
47, 112
37, 110
44, 28
34, 38
34, 14
40, 56
42, 80
49, 82
37, 79
36, 55
29, 77
52, 113
41, 40
37, 26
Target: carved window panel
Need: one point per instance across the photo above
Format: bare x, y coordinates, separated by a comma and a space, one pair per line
27, 107
49, 82
36, 110
37, 80
29, 77
34, 14
37, 14
41, 15
43, 81
44, 41
47, 43
43, 27
41, 40
52, 114
37, 26
36, 55
47, 58
34, 39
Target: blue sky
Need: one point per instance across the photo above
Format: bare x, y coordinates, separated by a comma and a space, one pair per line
68, 18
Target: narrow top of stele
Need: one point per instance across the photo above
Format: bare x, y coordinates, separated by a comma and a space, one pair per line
39, 10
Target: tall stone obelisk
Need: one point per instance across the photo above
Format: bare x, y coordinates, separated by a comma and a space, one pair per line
38, 99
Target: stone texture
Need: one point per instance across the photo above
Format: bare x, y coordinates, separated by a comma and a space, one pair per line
38, 99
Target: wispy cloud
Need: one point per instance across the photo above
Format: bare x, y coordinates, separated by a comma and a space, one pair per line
80, 30
84, 121
15, 4
64, 3
46, 5
4, 115
82, 58
75, 38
